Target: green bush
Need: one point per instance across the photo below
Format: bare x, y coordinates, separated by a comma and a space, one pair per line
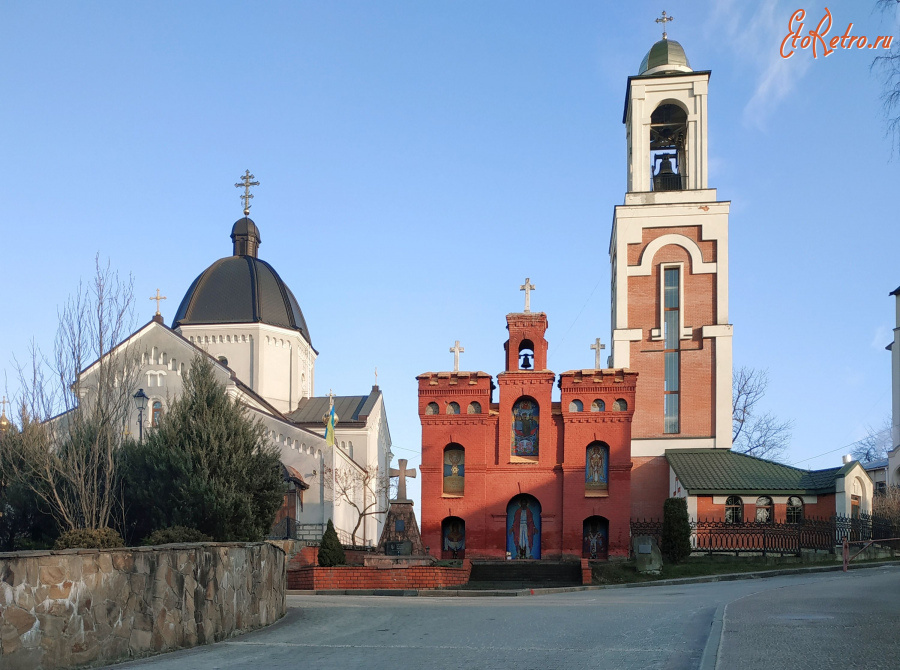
676, 531
331, 552
175, 535
87, 538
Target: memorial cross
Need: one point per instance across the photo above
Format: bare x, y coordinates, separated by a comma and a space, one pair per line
402, 473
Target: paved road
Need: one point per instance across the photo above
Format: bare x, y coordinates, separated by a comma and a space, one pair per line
811, 621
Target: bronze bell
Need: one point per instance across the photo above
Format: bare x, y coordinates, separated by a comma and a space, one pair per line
526, 361
665, 165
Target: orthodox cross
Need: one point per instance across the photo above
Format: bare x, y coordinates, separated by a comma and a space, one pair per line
157, 298
376, 376
663, 21
456, 350
597, 347
528, 287
246, 183
4, 403
402, 473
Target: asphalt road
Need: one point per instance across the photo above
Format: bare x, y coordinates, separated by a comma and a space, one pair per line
812, 621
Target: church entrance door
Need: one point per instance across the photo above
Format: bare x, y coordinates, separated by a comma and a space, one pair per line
523, 527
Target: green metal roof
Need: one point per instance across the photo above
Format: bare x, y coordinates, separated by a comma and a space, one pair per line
666, 55
720, 471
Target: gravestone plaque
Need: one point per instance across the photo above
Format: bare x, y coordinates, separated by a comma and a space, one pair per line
647, 557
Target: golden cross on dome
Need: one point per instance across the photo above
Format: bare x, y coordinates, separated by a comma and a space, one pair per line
663, 21
245, 183
157, 298
4, 403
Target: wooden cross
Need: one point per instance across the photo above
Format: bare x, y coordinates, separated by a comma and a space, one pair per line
528, 287
456, 350
402, 472
246, 183
663, 21
597, 347
157, 298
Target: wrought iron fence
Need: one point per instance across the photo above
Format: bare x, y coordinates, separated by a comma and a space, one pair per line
717, 536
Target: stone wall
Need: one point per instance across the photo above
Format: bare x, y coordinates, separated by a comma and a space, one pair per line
79, 607
356, 577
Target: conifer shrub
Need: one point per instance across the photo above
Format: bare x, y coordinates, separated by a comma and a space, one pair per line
207, 465
175, 535
89, 538
676, 531
331, 552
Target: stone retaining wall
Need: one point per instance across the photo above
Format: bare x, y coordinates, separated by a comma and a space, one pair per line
355, 577
78, 607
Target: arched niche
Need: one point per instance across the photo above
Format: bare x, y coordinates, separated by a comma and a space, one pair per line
595, 537
525, 424
454, 470
523, 527
453, 538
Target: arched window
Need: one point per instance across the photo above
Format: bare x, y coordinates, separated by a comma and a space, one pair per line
620, 405
668, 135
474, 408
596, 468
526, 355
794, 510
764, 510
431, 409
454, 470
598, 406
576, 406
156, 414
734, 510
453, 538
453, 408
525, 421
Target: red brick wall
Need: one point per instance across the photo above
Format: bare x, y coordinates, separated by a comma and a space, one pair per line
355, 577
650, 481
556, 479
310, 556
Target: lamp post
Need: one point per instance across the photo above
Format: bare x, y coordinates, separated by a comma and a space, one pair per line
140, 401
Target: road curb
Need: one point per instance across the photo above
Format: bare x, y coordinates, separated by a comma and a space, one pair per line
465, 593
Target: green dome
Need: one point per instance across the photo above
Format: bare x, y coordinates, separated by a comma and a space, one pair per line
665, 56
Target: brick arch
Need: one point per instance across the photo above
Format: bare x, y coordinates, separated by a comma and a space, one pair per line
698, 267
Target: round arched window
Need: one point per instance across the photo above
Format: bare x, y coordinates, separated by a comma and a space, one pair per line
576, 406
453, 408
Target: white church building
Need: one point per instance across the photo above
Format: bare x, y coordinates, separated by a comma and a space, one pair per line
241, 314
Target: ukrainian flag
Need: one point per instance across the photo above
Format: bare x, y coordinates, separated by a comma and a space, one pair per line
329, 428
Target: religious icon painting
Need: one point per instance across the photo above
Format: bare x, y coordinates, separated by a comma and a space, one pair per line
596, 467
526, 420
453, 537
454, 470
595, 537
523, 527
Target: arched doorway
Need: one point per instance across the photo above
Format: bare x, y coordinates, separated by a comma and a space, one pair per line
453, 538
523, 527
595, 537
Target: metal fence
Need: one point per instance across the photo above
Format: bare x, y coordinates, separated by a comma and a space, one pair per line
290, 529
752, 537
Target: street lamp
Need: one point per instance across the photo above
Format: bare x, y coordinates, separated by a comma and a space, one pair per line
140, 401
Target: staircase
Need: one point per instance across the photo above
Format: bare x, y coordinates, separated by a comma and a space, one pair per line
523, 574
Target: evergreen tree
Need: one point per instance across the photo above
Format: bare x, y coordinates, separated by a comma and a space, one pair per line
206, 466
331, 552
676, 530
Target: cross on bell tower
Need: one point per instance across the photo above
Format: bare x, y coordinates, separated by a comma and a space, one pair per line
663, 20
245, 183
528, 287
597, 346
456, 350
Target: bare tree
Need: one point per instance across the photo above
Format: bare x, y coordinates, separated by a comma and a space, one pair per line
74, 405
365, 490
888, 68
875, 445
754, 433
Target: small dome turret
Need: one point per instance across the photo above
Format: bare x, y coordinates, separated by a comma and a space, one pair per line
665, 57
245, 237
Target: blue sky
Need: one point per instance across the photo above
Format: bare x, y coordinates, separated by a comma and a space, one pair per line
418, 160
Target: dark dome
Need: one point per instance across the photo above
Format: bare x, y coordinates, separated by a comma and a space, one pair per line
241, 289
245, 226
665, 56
